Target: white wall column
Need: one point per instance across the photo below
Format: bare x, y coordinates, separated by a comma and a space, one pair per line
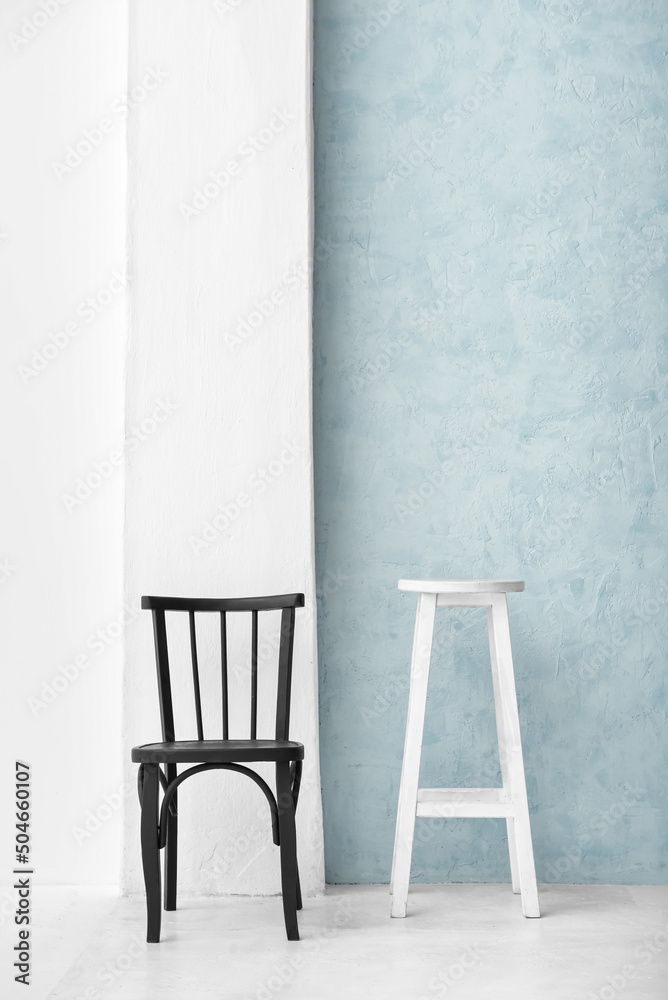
218, 382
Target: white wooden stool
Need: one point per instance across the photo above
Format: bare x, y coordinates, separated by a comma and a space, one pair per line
510, 801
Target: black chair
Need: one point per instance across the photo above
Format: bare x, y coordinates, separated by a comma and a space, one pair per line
159, 826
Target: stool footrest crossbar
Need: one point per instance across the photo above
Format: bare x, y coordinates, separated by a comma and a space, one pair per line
471, 803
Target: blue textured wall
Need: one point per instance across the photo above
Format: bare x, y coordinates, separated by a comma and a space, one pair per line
490, 370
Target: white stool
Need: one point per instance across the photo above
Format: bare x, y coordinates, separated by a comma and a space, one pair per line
510, 801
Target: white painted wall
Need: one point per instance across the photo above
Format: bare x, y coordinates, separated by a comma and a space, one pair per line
61, 414
219, 495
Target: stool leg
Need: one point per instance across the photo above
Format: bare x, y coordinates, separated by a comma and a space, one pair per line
503, 750
511, 751
512, 851
410, 769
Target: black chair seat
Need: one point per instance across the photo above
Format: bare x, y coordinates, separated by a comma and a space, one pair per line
217, 751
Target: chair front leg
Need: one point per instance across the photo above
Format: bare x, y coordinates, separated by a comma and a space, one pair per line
171, 852
171, 845
288, 847
150, 850
296, 774
298, 887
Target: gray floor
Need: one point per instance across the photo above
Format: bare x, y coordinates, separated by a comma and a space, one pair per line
460, 941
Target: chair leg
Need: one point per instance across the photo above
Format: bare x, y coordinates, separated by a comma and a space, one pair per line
296, 774
298, 886
288, 848
150, 850
171, 851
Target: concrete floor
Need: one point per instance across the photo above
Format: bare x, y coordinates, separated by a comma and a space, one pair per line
468, 942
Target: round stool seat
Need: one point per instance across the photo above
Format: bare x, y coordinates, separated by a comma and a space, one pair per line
461, 586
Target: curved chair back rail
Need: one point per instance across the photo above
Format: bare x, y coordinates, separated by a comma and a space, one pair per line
274, 603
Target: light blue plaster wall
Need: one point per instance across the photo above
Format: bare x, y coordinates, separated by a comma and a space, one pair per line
490, 373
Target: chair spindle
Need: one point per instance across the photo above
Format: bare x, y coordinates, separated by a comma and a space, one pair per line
164, 682
223, 670
253, 733
198, 699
